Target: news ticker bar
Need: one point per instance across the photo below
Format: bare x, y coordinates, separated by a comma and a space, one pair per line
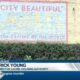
39, 66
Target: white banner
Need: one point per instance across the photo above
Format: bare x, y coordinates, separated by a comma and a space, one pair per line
33, 21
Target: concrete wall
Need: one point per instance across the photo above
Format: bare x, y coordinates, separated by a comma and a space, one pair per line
74, 21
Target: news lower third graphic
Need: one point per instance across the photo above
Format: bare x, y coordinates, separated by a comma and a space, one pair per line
23, 69
39, 66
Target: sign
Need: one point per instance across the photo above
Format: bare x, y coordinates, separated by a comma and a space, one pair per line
29, 21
